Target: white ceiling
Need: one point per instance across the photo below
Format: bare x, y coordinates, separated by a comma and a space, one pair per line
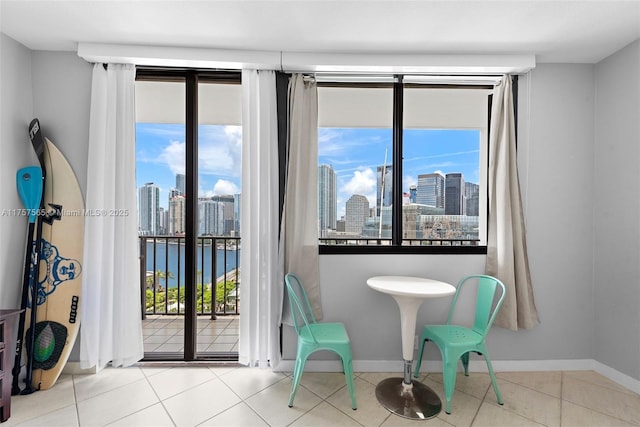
554, 31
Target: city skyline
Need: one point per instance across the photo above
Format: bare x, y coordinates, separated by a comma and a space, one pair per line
355, 156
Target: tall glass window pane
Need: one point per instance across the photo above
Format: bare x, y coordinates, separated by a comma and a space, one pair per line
444, 146
355, 165
218, 227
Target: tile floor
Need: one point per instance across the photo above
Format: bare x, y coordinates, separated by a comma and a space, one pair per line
238, 396
166, 333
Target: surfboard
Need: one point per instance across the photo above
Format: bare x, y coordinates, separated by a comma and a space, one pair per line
60, 268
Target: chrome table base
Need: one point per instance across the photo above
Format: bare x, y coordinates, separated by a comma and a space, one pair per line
407, 398
415, 400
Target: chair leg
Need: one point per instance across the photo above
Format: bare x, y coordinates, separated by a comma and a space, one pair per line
419, 359
465, 363
493, 379
297, 375
449, 378
348, 374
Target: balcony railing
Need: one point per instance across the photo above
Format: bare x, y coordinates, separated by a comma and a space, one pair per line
162, 281
369, 241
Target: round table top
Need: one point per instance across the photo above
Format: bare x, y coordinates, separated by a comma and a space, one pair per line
418, 287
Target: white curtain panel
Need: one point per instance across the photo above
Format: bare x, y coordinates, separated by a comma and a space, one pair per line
506, 243
260, 285
299, 243
111, 329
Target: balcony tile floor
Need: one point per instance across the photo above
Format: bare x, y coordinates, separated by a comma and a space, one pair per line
166, 333
238, 396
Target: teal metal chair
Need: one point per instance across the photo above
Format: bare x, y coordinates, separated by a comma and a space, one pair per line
456, 342
314, 336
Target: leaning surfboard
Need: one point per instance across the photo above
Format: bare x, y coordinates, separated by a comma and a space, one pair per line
60, 266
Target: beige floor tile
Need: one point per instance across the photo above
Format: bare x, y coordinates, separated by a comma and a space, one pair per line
323, 384
240, 415
544, 382
116, 404
496, 416
153, 416
157, 339
324, 415
87, 386
67, 416
606, 400
531, 404
577, 416
464, 407
596, 379
42, 402
151, 370
248, 381
375, 377
215, 347
206, 339
476, 384
150, 348
164, 332
225, 339
176, 380
272, 403
169, 348
200, 403
369, 413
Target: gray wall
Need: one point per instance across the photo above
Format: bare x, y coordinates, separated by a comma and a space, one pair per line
556, 160
616, 212
61, 99
16, 111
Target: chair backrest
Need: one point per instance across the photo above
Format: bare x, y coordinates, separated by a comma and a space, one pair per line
486, 310
301, 311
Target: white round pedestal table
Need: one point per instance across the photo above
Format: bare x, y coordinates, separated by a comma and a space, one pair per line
404, 396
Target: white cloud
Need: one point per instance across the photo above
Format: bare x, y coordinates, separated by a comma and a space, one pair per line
219, 152
362, 182
224, 187
174, 156
409, 180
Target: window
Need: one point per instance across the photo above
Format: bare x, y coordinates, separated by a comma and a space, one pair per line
402, 167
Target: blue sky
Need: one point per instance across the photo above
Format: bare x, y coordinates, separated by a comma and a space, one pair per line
160, 155
353, 153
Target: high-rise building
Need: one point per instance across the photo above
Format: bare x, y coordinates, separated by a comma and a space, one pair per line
454, 193
164, 221
181, 183
413, 193
472, 194
149, 209
228, 213
177, 215
210, 217
174, 192
430, 190
327, 198
236, 214
356, 213
384, 191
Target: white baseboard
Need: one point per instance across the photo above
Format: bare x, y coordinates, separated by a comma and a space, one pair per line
74, 368
618, 377
474, 366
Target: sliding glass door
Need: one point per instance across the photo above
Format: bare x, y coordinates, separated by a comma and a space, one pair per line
188, 172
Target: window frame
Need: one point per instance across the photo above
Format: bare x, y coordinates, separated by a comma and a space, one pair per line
396, 246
